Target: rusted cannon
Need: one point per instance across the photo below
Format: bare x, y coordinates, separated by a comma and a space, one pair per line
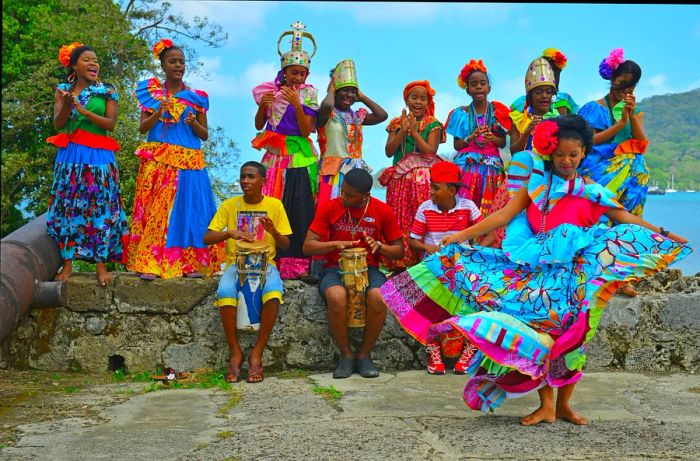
30, 259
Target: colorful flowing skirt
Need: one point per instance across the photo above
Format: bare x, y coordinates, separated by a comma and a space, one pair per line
331, 176
622, 169
172, 211
86, 212
292, 177
407, 186
482, 176
530, 309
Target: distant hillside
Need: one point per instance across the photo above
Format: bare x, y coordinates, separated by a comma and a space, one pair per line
672, 124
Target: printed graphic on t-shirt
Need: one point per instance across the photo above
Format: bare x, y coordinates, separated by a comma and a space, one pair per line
344, 224
250, 221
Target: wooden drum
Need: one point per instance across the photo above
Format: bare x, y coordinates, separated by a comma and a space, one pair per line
251, 263
353, 268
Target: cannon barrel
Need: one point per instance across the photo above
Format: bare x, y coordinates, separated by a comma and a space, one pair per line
30, 259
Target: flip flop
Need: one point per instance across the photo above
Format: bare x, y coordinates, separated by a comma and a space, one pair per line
256, 372
193, 275
233, 374
148, 277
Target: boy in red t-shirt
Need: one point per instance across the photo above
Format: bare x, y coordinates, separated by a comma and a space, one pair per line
444, 214
354, 220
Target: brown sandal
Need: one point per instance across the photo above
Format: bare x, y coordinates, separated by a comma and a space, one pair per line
256, 374
233, 374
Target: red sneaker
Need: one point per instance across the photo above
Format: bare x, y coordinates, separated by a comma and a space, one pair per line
466, 357
435, 365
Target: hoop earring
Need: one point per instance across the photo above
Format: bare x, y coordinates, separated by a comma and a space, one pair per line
71, 77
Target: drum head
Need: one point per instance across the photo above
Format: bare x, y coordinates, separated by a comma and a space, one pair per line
257, 246
353, 252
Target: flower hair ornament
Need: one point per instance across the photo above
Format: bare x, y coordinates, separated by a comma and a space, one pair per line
65, 51
544, 139
609, 64
162, 44
472, 66
557, 57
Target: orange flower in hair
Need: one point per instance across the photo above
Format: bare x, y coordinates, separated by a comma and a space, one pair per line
163, 44
556, 56
65, 52
472, 66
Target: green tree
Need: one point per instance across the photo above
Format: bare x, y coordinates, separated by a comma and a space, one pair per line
121, 34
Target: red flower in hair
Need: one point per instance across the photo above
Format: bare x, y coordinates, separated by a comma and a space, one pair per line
160, 46
544, 139
556, 56
65, 52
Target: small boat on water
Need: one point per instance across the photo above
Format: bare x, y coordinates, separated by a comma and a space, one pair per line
671, 189
656, 190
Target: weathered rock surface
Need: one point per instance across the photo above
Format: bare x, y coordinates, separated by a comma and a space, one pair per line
147, 325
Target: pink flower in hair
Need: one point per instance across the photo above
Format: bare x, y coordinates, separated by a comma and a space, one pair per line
615, 58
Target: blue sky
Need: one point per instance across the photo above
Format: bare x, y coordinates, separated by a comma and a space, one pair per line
395, 43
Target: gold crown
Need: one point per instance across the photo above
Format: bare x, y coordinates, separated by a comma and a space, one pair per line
344, 74
296, 56
539, 73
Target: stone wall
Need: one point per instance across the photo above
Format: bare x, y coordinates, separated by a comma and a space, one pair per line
148, 325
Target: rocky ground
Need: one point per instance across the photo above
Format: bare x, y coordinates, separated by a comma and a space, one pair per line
406, 415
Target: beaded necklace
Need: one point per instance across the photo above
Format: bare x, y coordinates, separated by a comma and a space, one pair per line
475, 117
545, 208
346, 118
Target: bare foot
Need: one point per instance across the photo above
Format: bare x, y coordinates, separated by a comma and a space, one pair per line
568, 414
65, 271
103, 276
255, 368
628, 290
541, 415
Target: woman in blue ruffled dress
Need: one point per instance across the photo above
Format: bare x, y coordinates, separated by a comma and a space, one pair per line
530, 309
617, 158
173, 201
86, 213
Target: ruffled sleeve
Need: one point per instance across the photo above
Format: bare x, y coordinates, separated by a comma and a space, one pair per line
107, 90
149, 94
309, 98
393, 125
458, 123
565, 100
519, 104
197, 100
435, 124
596, 115
502, 112
360, 115
520, 121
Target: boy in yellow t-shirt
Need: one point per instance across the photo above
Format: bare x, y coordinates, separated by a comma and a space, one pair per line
251, 217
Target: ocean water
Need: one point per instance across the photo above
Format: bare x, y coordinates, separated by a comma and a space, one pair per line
678, 212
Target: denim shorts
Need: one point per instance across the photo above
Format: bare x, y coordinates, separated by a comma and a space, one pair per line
330, 277
227, 294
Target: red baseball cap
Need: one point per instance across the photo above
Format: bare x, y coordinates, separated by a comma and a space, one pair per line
445, 172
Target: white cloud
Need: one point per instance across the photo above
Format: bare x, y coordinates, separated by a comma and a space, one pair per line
240, 20
656, 84
693, 85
